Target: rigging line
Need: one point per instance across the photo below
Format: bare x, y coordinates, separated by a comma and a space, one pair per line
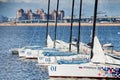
94, 26
73, 1
56, 22
79, 28
47, 21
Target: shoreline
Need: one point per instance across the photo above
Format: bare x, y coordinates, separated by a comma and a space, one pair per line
58, 24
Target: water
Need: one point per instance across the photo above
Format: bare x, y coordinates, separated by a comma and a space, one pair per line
13, 68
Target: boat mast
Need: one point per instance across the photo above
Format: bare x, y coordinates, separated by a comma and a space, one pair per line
56, 22
47, 21
94, 27
80, 13
73, 1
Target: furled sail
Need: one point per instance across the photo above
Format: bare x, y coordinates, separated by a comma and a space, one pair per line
49, 42
99, 56
98, 53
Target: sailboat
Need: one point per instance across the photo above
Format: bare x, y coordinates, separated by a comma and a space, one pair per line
67, 51
100, 66
27, 51
61, 53
32, 52
36, 52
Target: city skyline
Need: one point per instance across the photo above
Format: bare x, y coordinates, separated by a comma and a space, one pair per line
110, 7
39, 14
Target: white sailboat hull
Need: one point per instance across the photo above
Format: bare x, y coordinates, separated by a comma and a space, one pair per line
32, 54
63, 47
101, 66
53, 59
28, 51
21, 53
80, 70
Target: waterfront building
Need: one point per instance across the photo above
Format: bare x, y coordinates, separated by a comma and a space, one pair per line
53, 15
43, 16
29, 14
39, 11
21, 15
61, 14
39, 15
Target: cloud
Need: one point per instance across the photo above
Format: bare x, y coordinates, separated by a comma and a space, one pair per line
64, 1
7, 1
42, 1
3, 0
26, 1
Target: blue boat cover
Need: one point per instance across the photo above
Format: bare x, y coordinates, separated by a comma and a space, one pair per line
72, 61
58, 53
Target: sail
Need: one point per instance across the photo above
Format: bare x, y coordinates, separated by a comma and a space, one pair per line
49, 42
99, 56
98, 53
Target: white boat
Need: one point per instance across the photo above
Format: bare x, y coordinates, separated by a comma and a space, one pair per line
49, 56
35, 52
31, 52
55, 57
100, 66
52, 57
25, 50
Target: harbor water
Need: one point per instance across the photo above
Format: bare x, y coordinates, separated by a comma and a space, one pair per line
14, 68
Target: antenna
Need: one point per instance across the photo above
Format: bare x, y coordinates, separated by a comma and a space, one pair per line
47, 20
56, 22
73, 1
80, 13
94, 27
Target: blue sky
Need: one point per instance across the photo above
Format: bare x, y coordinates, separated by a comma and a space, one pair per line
9, 7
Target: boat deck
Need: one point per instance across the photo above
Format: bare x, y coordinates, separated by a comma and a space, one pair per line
114, 52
